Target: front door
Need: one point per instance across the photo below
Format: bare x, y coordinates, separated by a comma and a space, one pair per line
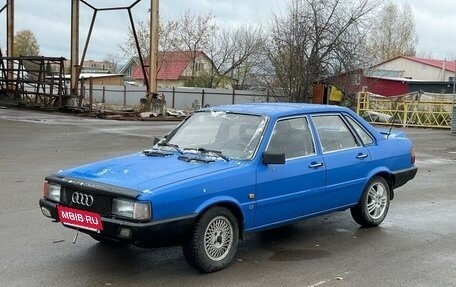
294, 189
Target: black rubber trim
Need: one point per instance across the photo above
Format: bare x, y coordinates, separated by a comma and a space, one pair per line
401, 177
168, 232
93, 186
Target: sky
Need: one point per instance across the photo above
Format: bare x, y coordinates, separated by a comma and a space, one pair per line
50, 21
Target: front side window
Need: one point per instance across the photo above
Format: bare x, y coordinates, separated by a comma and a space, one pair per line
334, 134
291, 137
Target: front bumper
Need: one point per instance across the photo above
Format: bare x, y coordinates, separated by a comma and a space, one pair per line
401, 177
161, 233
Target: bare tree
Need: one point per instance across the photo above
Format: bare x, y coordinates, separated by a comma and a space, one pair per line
233, 53
167, 38
316, 39
193, 34
112, 62
394, 33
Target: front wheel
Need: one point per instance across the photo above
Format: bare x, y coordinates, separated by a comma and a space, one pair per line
374, 203
214, 241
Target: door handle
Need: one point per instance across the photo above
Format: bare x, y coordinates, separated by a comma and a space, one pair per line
315, 164
361, 156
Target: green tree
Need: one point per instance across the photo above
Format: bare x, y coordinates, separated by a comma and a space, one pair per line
26, 44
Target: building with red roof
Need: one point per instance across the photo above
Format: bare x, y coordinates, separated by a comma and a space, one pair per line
176, 68
416, 69
395, 77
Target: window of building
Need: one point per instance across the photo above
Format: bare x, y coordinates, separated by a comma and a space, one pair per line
199, 67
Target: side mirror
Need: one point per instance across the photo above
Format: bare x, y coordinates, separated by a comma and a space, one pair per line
273, 158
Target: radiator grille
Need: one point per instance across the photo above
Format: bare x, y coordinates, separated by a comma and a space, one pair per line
101, 203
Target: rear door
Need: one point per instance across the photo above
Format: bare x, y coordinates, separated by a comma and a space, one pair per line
346, 159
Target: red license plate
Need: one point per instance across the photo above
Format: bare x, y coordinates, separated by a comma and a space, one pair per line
80, 218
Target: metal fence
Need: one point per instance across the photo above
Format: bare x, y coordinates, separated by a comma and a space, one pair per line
411, 110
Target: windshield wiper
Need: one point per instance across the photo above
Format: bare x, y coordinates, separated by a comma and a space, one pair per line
212, 151
152, 152
196, 159
174, 146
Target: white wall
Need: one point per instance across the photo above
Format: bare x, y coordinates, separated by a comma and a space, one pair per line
184, 98
415, 70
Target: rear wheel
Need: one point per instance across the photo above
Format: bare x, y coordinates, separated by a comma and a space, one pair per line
374, 203
214, 241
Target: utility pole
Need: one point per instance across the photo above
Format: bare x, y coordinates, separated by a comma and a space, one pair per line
154, 16
10, 42
74, 62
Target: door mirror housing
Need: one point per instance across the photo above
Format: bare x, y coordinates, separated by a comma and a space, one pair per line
273, 158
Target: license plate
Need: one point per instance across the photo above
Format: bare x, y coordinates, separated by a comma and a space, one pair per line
80, 218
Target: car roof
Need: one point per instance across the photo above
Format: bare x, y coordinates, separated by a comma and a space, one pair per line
276, 109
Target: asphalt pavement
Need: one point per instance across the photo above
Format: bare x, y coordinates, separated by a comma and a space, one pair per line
414, 246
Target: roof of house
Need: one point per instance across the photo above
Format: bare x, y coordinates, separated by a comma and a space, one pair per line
170, 65
133, 61
449, 65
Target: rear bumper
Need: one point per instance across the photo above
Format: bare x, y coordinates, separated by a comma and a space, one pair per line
161, 233
401, 177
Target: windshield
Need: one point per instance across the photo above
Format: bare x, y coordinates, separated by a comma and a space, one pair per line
232, 135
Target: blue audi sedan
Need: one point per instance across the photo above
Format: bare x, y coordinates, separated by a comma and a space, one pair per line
229, 170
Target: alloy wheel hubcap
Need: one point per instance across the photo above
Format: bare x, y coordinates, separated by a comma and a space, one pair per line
376, 200
218, 238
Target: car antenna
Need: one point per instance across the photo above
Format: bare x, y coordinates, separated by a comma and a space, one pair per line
417, 98
393, 119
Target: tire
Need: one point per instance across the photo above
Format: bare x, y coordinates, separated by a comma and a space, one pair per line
214, 241
374, 203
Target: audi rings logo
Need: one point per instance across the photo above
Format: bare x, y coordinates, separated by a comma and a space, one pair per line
82, 199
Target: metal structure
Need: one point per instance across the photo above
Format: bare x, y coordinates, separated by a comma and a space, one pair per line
453, 122
30, 81
16, 84
76, 65
27, 80
453, 119
9, 6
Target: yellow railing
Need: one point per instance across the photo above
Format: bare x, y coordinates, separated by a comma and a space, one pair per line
408, 111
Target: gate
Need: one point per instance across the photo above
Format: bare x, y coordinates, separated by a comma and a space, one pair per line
410, 110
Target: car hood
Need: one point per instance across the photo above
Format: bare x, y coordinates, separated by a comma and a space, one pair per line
144, 173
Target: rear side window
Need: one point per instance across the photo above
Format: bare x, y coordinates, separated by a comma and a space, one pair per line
366, 138
333, 132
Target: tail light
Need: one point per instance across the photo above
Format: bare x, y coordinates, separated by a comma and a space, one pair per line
412, 155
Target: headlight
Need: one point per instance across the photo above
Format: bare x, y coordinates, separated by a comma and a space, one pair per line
51, 191
131, 209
